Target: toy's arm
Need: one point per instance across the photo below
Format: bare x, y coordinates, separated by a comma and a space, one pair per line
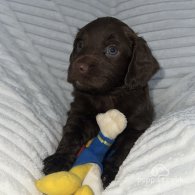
111, 124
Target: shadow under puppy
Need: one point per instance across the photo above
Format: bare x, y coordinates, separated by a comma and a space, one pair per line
109, 69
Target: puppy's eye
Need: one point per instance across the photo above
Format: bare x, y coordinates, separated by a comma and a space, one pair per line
111, 50
79, 45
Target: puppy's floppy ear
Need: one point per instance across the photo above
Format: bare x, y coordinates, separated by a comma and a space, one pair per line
143, 65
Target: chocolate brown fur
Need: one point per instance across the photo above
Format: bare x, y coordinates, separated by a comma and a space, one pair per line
109, 68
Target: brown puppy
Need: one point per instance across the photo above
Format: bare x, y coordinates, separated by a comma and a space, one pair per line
109, 68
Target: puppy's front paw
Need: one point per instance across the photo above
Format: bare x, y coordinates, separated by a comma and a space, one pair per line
108, 176
55, 163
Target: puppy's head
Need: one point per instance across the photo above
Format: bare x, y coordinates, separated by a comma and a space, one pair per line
107, 54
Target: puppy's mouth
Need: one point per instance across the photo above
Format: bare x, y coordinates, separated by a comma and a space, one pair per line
86, 86
78, 84
91, 88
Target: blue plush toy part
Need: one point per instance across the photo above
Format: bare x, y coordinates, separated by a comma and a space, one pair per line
95, 152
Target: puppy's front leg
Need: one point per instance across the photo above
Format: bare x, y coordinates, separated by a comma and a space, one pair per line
77, 131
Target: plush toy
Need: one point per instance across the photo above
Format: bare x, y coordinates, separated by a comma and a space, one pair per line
85, 176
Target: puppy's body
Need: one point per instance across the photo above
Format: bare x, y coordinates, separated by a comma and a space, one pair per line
109, 68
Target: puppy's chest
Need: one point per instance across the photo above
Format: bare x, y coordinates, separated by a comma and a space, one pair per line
105, 103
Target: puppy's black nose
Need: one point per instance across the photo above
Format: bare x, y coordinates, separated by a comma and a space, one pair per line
83, 68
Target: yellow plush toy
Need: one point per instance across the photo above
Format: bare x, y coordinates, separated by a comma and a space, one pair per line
66, 183
85, 176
